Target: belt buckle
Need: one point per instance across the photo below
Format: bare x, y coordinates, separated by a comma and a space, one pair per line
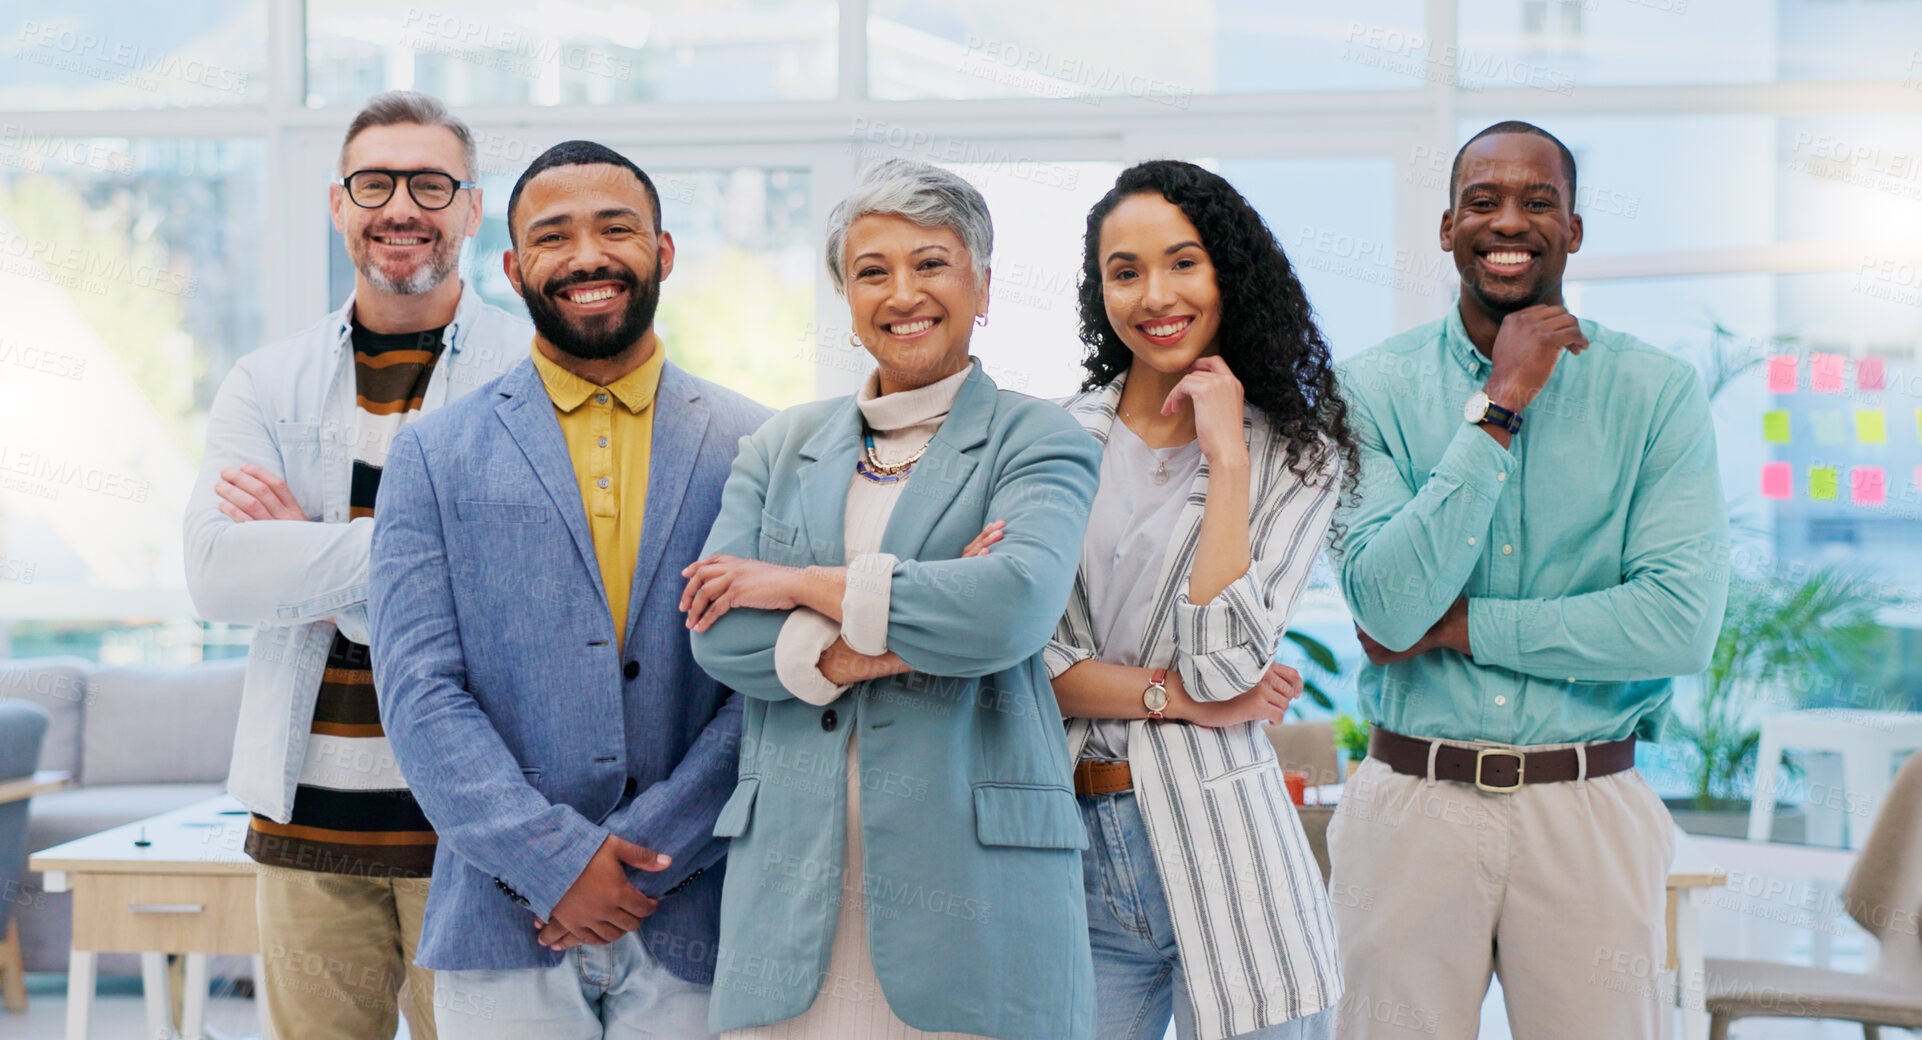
1521, 767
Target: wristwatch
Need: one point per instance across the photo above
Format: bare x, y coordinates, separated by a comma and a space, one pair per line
1481, 410
1155, 697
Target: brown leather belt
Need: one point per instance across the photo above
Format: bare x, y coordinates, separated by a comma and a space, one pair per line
1092, 778
1497, 769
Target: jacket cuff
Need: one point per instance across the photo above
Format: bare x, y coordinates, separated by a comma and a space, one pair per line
805, 635
864, 606
1221, 623
1060, 656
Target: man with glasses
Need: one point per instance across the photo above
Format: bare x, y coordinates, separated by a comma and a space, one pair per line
277, 536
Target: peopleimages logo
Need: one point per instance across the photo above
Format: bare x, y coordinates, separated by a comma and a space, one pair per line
90, 53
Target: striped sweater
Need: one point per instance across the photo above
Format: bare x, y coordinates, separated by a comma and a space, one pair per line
352, 811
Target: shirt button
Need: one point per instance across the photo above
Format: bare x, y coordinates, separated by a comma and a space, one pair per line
603, 442
600, 398
1501, 476
601, 482
1471, 541
1506, 549
1500, 700
829, 719
631, 669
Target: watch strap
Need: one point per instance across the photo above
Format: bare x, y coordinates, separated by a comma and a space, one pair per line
1502, 417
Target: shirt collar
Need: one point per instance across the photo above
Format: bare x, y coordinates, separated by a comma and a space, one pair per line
1455, 337
635, 390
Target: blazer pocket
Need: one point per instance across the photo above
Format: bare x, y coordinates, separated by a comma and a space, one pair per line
474, 512
739, 810
777, 540
1028, 817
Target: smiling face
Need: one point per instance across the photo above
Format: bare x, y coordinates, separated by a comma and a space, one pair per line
913, 296
589, 263
400, 248
1158, 283
1512, 225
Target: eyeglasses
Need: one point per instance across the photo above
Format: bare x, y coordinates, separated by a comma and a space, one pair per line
430, 189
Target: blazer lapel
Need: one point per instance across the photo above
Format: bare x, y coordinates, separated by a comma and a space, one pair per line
528, 414
823, 479
680, 424
943, 470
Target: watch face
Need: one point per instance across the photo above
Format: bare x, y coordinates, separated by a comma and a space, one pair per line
1477, 407
1154, 698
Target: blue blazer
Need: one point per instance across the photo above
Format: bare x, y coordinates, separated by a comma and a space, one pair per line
976, 917
525, 735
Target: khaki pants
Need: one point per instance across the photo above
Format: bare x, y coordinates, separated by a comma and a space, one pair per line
1557, 888
339, 953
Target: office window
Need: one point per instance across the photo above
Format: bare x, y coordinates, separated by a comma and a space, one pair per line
96, 54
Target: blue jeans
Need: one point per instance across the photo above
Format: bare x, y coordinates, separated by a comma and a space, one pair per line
613, 992
1138, 982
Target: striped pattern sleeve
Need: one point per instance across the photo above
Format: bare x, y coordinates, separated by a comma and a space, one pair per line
1223, 647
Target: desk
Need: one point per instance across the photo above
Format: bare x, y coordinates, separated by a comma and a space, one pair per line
189, 891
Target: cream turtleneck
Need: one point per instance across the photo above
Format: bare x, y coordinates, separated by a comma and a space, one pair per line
902, 422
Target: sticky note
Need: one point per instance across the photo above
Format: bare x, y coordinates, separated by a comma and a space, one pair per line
1778, 479
1870, 426
1825, 373
1822, 483
1868, 486
1782, 375
1868, 373
1828, 427
1775, 427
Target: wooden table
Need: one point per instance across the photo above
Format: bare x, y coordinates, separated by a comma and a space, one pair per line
189, 890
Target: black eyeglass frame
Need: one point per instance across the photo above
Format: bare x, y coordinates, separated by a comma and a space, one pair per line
347, 185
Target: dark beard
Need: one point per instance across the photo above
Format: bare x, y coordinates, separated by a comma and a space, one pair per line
606, 335
1543, 290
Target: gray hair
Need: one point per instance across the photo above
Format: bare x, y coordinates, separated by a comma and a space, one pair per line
396, 107
925, 194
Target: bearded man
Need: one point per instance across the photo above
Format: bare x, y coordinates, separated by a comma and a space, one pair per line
534, 667
277, 536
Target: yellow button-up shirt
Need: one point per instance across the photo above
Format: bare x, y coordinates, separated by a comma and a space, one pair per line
609, 432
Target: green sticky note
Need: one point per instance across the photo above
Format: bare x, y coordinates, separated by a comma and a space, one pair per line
1871, 427
1775, 427
1822, 483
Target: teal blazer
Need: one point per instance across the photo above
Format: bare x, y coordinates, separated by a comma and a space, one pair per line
976, 917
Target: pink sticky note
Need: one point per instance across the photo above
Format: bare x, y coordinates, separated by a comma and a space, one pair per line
1825, 373
1868, 373
1868, 486
1778, 479
1782, 377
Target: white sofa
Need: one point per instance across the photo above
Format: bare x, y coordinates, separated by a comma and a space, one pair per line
138, 741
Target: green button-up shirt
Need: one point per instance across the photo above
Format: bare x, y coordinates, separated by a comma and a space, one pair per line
1593, 550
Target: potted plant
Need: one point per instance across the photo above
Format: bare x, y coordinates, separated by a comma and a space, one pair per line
1351, 736
1777, 637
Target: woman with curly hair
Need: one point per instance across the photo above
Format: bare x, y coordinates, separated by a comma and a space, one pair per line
1218, 484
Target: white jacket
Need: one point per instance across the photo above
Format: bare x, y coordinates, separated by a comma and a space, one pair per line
290, 407
1250, 912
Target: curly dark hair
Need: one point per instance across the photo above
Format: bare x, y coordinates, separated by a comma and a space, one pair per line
1267, 336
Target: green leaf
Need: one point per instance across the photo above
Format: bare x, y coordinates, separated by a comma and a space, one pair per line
1314, 693
1316, 650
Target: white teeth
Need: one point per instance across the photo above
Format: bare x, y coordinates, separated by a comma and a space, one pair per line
405, 241
592, 296
1509, 258
1168, 329
912, 327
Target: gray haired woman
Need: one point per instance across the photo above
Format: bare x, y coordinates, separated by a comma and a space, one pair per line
905, 841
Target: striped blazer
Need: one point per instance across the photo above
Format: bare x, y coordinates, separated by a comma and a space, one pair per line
1250, 911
